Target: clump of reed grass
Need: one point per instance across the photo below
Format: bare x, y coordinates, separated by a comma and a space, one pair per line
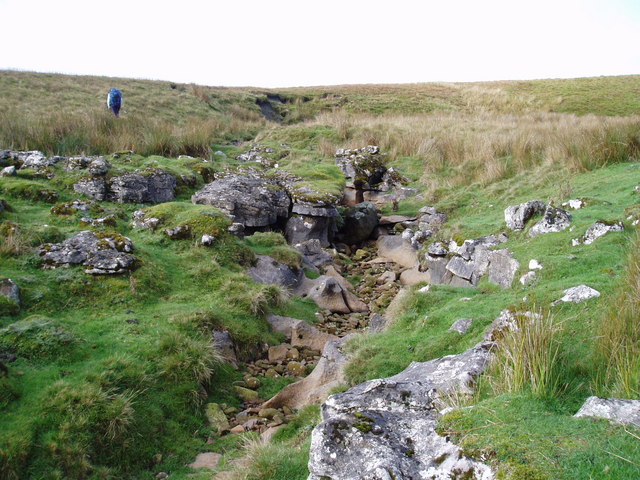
527, 356
618, 339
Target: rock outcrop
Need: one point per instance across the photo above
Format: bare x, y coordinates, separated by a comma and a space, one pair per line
553, 220
144, 186
623, 411
252, 200
101, 254
516, 216
386, 428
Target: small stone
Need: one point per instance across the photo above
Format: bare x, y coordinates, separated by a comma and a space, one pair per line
534, 264
245, 394
268, 413
216, 417
207, 240
293, 354
461, 325
296, 369
528, 278
252, 383
162, 475
237, 429
578, 294
271, 373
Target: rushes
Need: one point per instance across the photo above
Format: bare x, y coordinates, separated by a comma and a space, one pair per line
527, 357
618, 341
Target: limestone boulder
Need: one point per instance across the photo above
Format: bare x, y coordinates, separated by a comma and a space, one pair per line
269, 270
101, 255
359, 223
253, 200
516, 216
623, 411
10, 290
300, 333
502, 267
578, 294
601, 228
386, 428
553, 220
313, 255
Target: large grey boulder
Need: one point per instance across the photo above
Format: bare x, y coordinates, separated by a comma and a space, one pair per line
301, 228
502, 267
92, 187
359, 222
149, 186
251, 200
154, 186
516, 216
269, 270
553, 220
626, 412
102, 255
386, 428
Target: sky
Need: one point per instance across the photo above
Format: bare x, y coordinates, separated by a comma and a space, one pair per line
288, 43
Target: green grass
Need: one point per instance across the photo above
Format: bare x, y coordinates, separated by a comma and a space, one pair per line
526, 438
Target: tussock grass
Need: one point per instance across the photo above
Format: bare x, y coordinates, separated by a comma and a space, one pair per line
527, 356
618, 335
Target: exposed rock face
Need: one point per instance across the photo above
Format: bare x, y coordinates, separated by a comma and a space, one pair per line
269, 270
153, 186
578, 294
301, 228
464, 265
554, 220
10, 289
359, 222
102, 255
145, 187
516, 216
384, 429
368, 179
626, 412
248, 199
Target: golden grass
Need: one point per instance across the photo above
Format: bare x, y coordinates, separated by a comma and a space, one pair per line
487, 146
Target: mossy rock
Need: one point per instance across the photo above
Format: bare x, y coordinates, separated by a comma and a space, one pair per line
35, 338
28, 190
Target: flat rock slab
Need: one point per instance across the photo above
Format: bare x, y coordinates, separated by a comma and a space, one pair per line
206, 460
626, 412
393, 219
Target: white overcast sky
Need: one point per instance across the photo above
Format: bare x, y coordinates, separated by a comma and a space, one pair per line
280, 43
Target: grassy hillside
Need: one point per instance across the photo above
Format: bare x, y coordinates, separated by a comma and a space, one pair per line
113, 371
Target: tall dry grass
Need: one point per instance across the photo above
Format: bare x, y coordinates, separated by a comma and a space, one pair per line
98, 132
487, 146
618, 340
